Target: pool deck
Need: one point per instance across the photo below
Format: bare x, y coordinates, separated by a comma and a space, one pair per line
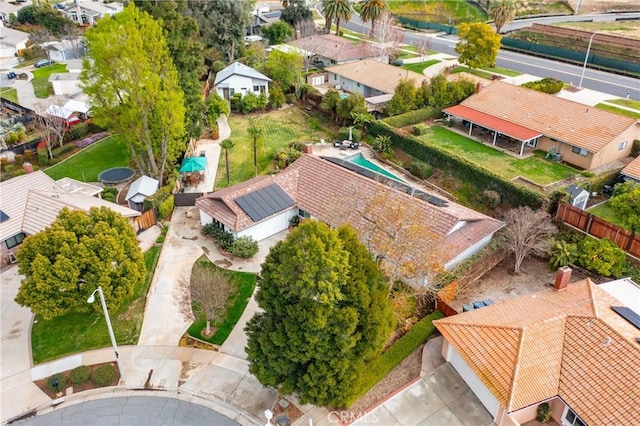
328, 150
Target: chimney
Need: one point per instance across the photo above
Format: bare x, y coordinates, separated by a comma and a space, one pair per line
27, 167
478, 87
308, 148
562, 278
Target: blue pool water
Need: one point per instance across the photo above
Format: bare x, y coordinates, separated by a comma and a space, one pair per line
343, 96
363, 162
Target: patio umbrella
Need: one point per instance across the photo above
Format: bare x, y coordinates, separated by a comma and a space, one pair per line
193, 164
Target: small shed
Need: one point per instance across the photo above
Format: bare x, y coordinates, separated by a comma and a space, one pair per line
579, 196
142, 188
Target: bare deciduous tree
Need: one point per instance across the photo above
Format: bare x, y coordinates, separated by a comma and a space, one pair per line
305, 28
527, 232
423, 45
43, 121
387, 36
210, 290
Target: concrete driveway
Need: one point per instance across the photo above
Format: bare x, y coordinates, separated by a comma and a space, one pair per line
18, 391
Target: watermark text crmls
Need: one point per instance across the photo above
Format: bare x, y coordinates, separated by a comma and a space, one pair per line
347, 417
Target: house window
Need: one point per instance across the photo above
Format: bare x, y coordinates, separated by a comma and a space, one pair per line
335, 77
579, 151
263, 89
358, 84
15, 240
256, 88
303, 214
232, 91
572, 419
622, 145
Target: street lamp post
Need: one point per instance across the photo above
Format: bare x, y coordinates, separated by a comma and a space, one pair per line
586, 58
91, 299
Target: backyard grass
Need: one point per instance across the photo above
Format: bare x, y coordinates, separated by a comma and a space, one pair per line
243, 284
41, 86
279, 129
534, 168
9, 93
620, 111
420, 66
629, 103
87, 164
82, 331
604, 211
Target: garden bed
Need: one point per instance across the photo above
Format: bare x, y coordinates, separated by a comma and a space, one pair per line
89, 384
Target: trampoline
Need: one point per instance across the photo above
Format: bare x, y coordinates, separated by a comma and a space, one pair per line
116, 175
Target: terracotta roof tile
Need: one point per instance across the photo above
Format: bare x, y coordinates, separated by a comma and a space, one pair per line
568, 343
632, 169
334, 47
577, 124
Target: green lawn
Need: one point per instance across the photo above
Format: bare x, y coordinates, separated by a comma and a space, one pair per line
87, 164
617, 110
604, 211
9, 93
82, 331
279, 129
534, 168
243, 284
406, 55
437, 11
41, 85
502, 71
629, 103
420, 66
474, 71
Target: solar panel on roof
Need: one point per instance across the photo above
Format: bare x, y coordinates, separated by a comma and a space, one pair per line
264, 202
3, 216
400, 186
628, 314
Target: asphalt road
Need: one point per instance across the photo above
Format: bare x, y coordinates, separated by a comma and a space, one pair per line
600, 81
132, 410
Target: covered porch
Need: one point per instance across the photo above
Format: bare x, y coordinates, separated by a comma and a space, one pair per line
493, 131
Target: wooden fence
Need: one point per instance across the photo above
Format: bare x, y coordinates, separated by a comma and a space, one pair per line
599, 228
145, 221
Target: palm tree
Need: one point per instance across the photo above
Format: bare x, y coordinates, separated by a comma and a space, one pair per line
361, 119
502, 12
372, 10
227, 144
256, 133
338, 10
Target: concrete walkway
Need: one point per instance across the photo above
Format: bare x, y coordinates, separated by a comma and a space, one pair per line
211, 150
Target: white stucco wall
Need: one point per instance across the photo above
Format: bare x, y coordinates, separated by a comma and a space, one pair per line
238, 82
270, 226
479, 389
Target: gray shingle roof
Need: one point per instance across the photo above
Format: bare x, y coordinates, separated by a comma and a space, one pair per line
237, 68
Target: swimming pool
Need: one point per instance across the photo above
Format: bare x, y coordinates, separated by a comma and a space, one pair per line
363, 162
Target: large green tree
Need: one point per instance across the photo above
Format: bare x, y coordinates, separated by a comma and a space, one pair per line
223, 23
186, 50
278, 32
283, 68
626, 204
326, 313
404, 98
441, 93
337, 10
295, 13
133, 86
502, 12
63, 264
372, 10
478, 45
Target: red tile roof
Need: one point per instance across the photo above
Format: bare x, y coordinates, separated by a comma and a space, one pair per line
632, 169
330, 193
568, 343
493, 123
571, 122
333, 47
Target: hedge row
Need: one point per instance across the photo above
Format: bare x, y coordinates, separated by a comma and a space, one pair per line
411, 117
401, 349
459, 167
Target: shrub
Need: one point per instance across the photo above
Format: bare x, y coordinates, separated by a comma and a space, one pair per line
18, 160
80, 374
420, 129
62, 382
244, 247
297, 145
411, 117
544, 412
43, 156
343, 134
158, 198
76, 132
420, 169
290, 98
104, 375
62, 150
235, 102
276, 97
285, 156
603, 257
3, 163
635, 148
491, 198
251, 102
222, 238
561, 254
110, 190
19, 172
546, 85
109, 197
381, 144
165, 208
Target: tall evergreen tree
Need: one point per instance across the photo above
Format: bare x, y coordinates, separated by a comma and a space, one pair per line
133, 86
326, 313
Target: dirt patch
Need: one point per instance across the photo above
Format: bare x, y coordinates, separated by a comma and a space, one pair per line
283, 407
501, 283
42, 384
224, 263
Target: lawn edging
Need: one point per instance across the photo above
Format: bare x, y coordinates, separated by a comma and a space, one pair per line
397, 352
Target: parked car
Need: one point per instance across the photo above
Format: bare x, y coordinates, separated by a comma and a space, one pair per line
43, 63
